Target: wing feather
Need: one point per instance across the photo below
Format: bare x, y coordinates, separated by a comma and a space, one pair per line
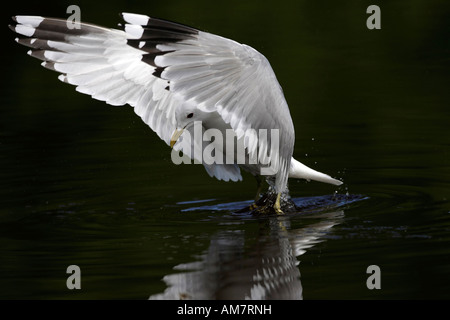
100, 63
157, 65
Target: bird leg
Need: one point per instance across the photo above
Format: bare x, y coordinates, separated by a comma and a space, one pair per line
277, 205
269, 203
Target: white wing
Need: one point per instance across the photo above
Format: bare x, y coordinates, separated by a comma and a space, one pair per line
221, 75
154, 65
100, 63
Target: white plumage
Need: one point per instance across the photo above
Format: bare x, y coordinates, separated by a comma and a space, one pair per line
163, 68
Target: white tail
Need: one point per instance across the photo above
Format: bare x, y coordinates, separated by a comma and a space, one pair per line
300, 171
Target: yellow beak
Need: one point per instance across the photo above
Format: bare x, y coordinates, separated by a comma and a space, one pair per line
177, 133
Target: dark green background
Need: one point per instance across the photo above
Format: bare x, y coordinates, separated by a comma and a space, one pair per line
89, 184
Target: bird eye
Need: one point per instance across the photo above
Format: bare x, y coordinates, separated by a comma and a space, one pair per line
190, 115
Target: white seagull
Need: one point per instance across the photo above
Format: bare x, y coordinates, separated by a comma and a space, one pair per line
174, 75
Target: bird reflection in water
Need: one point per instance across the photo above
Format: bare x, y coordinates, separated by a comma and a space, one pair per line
266, 269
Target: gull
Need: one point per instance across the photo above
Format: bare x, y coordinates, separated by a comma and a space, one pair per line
175, 76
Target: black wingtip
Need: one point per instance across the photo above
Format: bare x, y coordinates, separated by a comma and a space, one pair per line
158, 71
13, 28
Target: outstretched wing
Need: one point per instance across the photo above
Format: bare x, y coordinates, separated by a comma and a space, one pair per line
220, 75
100, 63
155, 65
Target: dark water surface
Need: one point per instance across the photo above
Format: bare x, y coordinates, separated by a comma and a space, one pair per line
87, 184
